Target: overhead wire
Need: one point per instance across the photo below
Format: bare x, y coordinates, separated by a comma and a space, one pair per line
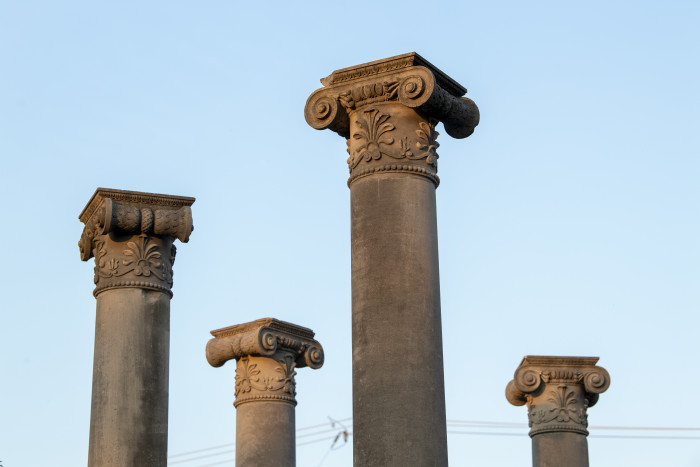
202, 457
200, 450
219, 463
452, 423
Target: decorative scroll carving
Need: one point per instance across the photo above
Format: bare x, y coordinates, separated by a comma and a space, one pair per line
388, 109
123, 218
408, 79
313, 357
132, 242
264, 337
557, 391
326, 112
268, 352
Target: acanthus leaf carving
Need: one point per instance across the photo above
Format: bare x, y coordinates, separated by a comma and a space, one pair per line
416, 84
287, 374
371, 136
252, 376
564, 408
371, 140
141, 261
427, 142
243, 378
144, 259
140, 257
556, 392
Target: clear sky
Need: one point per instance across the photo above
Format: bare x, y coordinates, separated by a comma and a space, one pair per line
568, 223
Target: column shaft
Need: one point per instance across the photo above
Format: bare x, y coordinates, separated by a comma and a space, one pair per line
398, 382
559, 449
387, 111
558, 391
129, 412
265, 435
130, 234
267, 352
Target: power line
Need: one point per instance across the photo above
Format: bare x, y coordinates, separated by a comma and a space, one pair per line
344, 434
335, 438
649, 428
219, 463
319, 440
200, 450
226, 461
452, 423
317, 433
491, 433
324, 424
482, 422
202, 457
330, 423
486, 424
487, 433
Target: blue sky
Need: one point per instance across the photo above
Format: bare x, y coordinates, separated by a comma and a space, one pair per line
567, 223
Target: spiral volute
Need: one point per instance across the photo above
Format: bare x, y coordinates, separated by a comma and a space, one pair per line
596, 381
314, 357
268, 342
413, 91
527, 379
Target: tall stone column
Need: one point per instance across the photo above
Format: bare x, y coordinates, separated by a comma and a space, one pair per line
268, 352
130, 235
387, 110
558, 392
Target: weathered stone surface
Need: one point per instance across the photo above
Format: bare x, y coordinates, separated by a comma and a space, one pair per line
130, 235
129, 415
558, 392
398, 381
267, 354
409, 79
387, 110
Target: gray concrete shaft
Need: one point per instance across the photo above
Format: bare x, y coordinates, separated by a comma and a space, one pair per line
398, 380
559, 449
265, 434
129, 416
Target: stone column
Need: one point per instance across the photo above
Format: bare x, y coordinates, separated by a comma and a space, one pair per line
268, 352
387, 110
130, 235
558, 391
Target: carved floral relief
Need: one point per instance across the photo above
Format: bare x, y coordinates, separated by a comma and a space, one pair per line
249, 376
140, 257
143, 258
373, 138
564, 408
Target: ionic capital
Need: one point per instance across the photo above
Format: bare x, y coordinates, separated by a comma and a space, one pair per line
267, 352
387, 110
130, 234
557, 391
